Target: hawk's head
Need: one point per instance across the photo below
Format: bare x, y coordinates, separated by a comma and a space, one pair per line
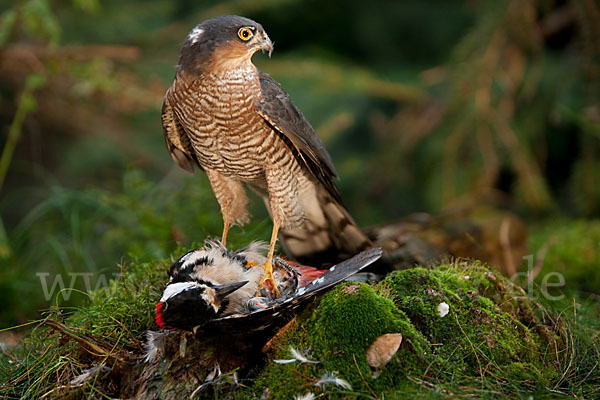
224, 42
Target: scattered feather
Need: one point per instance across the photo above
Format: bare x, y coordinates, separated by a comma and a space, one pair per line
79, 380
332, 379
307, 396
443, 309
297, 357
291, 360
300, 357
217, 378
155, 345
211, 379
214, 375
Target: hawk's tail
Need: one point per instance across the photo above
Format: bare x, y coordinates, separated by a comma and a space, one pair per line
329, 234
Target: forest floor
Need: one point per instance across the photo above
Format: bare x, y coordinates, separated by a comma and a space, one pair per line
465, 330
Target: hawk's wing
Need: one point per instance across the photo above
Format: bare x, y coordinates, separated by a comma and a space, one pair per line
277, 109
178, 142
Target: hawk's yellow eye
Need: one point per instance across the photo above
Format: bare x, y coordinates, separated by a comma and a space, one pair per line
245, 34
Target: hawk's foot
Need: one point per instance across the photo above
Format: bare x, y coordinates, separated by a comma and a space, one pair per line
268, 267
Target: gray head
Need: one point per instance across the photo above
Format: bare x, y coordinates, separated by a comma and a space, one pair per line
220, 42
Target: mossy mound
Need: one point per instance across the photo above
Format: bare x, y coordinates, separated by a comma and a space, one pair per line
493, 341
490, 335
339, 331
490, 329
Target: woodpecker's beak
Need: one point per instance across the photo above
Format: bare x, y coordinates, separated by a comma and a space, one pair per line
223, 290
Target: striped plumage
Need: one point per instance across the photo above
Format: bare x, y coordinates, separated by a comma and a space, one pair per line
235, 122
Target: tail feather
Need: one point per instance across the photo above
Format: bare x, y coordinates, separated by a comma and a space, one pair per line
329, 233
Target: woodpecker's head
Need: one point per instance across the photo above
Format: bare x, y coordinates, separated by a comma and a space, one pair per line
188, 304
205, 283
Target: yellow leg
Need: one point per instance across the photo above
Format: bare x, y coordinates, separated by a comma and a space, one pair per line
268, 267
225, 231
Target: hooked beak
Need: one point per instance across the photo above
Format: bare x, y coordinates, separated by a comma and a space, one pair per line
223, 290
266, 45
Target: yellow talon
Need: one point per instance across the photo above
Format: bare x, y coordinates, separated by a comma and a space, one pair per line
268, 267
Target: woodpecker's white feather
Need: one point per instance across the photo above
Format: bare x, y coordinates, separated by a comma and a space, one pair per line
298, 356
155, 345
330, 378
306, 396
88, 374
173, 289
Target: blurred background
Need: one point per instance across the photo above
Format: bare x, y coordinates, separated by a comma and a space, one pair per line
424, 106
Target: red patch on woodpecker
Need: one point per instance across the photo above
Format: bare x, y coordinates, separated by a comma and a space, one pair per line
309, 274
159, 315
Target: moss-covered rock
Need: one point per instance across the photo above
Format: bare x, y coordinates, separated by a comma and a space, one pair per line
338, 332
490, 333
490, 323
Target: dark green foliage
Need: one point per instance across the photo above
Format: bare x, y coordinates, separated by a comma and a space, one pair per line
570, 250
88, 231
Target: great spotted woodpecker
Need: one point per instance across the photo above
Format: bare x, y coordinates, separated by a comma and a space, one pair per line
217, 288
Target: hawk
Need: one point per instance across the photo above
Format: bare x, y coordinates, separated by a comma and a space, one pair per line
235, 122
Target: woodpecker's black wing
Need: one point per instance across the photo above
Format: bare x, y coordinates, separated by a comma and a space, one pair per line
264, 318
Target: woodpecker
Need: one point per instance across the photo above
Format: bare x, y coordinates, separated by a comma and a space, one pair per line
217, 288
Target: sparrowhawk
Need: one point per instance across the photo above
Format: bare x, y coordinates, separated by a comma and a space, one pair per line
237, 124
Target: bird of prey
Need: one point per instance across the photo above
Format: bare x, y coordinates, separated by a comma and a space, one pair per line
237, 124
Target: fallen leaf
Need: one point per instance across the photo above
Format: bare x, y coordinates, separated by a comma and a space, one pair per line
383, 349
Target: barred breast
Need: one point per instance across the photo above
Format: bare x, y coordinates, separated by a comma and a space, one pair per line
226, 132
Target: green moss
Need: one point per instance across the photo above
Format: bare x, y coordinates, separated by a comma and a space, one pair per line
476, 333
338, 331
114, 319
489, 337
524, 373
